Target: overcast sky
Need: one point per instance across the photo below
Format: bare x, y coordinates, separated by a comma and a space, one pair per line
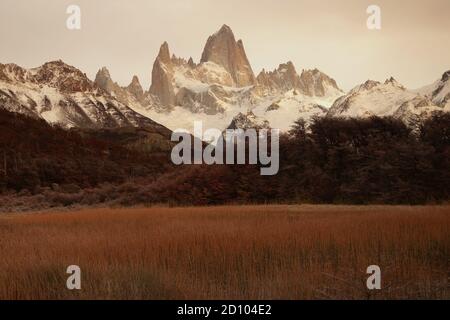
124, 35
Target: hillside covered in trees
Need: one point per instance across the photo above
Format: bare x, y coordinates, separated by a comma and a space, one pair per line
35, 155
354, 161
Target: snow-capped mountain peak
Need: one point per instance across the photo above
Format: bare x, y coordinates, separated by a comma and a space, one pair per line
63, 95
439, 91
312, 83
390, 98
318, 84
62, 76
391, 81
222, 85
368, 85
220, 89
223, 50
55, 74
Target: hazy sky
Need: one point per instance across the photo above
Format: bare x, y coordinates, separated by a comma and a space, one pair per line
124, 35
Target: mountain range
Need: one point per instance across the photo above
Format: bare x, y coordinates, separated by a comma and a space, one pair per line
221, 89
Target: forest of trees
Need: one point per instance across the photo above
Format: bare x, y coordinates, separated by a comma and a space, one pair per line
351, 161
376, 160
354, 161
35, 155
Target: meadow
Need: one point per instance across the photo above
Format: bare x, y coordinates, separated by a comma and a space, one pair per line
229, 252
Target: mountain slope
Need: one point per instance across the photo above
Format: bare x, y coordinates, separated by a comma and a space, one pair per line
37, 155
390, 98
439, 91
63, 95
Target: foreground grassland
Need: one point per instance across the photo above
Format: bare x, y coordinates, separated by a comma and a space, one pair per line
241, 252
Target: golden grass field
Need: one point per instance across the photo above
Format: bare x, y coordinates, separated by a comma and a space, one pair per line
233, 252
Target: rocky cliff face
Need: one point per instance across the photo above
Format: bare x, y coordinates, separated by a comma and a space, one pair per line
59, 75
284, 78
223, 50
133, 95
312, 83
315, 83
103, 80
135, 89
222, 85
201, 87
162, 77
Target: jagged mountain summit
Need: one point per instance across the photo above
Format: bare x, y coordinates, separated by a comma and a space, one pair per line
221, 89
201, 88
132, 95
223, 50
222, 85
312, 83
63, 95
390, 98
135, 88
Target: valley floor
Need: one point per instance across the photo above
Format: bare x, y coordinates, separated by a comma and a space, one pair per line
231, 252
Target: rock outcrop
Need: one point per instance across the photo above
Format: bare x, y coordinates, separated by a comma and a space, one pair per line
284, 78
135, 89
247, 121
318, 84
312, 83
162, 77
223, 50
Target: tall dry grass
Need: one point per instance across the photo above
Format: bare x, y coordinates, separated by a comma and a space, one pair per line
254, 252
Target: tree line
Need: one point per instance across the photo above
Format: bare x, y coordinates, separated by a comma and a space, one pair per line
331, 160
